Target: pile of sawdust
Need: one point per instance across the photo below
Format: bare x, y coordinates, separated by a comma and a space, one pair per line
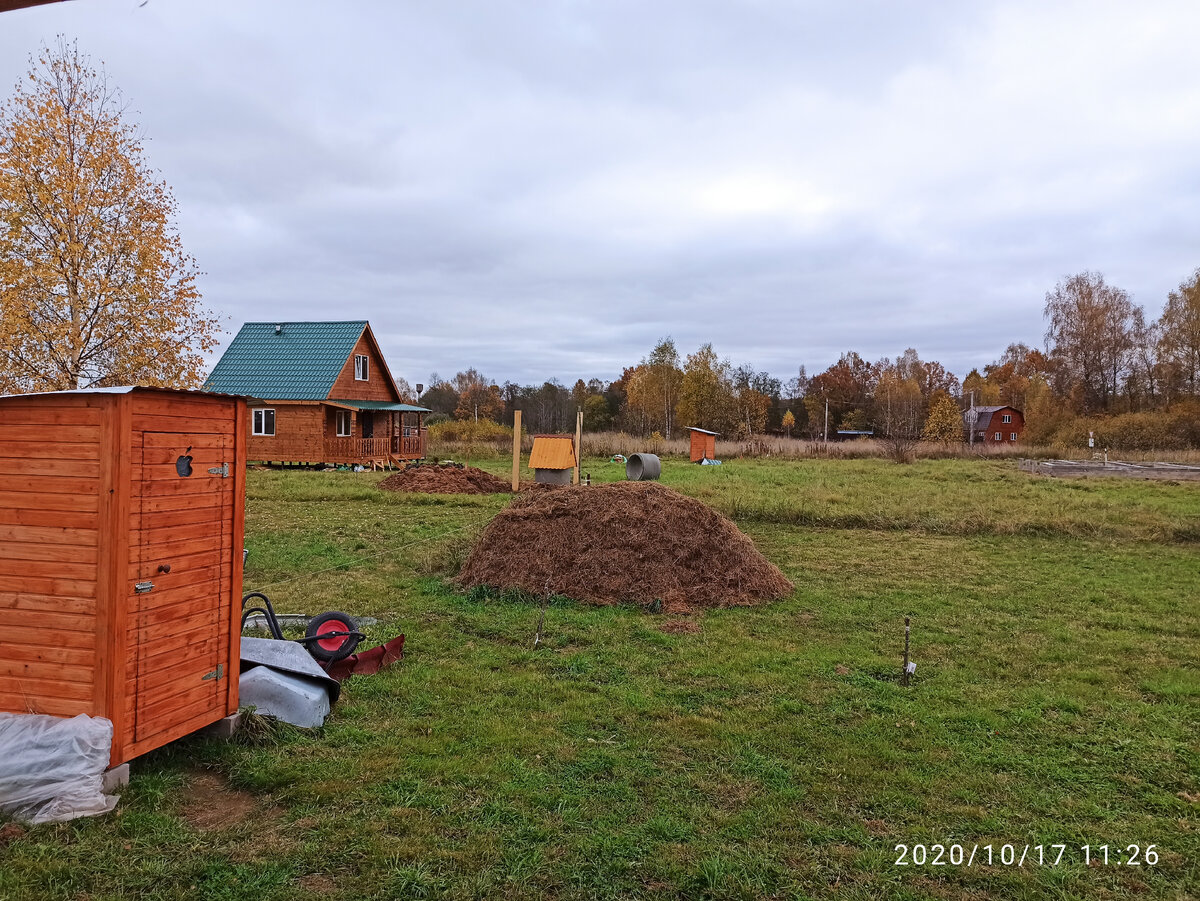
627, 542
541, 486
431, 478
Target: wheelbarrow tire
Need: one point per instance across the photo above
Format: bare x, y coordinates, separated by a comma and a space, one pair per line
335, 648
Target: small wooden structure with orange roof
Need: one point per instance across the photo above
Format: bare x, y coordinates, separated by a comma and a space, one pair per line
552, 459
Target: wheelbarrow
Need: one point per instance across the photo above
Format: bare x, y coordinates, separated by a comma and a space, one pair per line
330, 637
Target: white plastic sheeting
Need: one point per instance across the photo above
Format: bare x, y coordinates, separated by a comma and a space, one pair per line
51, 768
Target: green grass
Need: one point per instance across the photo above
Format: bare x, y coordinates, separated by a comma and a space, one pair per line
1056, 628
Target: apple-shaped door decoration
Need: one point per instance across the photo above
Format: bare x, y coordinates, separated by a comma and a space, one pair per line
183, 465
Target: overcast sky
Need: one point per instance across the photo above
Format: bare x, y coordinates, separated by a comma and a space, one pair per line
543, 189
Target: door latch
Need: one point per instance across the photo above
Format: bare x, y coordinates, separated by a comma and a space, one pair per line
143, 587
222, 471
215, 674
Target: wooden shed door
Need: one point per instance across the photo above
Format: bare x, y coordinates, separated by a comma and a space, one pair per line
181, 593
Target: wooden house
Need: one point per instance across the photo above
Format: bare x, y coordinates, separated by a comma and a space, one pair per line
552, 459
993, 425
320, 392
704, 444
122, 514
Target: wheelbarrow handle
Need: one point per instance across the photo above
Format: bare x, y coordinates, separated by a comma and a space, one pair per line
266, 610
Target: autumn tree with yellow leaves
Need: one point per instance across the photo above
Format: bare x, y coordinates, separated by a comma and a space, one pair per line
945, 421
95, 288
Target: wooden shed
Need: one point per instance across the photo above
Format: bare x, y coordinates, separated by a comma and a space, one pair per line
704, 444
552, 459
122, 513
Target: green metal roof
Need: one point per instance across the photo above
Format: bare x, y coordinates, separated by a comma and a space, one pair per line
386, 405
285, 360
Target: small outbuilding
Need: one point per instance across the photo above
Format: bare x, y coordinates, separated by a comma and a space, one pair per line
552, 459
122, 512
704, 444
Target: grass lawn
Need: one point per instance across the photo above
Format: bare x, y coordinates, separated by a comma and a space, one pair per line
761, 752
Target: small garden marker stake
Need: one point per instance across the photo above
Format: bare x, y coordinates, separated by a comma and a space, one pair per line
537, 635
907, 632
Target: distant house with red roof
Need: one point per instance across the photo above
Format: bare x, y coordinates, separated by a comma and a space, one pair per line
993, 425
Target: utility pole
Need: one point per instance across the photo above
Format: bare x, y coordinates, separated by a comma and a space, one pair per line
971, 421
826, 439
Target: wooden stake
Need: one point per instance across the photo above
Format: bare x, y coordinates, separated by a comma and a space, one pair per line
516, 480
537, 636
907, 633
578, 446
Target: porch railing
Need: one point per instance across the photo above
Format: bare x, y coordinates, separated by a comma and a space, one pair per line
409, 445
349, 450
338, 450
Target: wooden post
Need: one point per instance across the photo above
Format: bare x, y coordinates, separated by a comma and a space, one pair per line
578, 446
516, 480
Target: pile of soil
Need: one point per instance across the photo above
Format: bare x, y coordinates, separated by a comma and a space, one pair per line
626, 542
432, 478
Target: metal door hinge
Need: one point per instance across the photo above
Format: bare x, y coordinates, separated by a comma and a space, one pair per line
222, 471
215, 674
143, 587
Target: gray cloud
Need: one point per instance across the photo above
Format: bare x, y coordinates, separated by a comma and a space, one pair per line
544, 189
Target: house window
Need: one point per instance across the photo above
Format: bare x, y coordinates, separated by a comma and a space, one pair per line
361, 371
1012, 436
264, 422
998, 438
344, 423
1006, 418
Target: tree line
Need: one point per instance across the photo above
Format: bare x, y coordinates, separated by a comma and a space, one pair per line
1102, 358
95, 289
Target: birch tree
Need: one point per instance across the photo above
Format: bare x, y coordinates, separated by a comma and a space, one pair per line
95, 288
1089, 333
1180, 330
